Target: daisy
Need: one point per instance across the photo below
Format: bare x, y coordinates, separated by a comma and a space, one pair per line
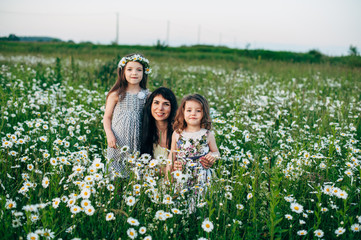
327, 189
159, 215
89, 210
302, 233
249, 196
142, 230
45, 182
75, 209
53, 161
109, 216
30, 167
71, 202
168, 215
318, 233
207, 225
10, 204
176, 211
43, 139
85, 193
148, 238
32, 236
324, 209
153, 163
85, 203
133, 221
240, 206
355, 227
7, 144
228, 195
339, 231
97, 164
110, 187
124, 149
34, 217
132, 233
342, 194
48, 234
348, 173
297, 208
130, 201
289, 217
56, 202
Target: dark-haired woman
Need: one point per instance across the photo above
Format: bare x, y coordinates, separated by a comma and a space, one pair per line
158, 115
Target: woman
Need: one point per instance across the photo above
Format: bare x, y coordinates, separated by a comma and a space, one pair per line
158, 115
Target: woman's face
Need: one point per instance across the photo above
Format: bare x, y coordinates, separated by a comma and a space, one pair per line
161, 108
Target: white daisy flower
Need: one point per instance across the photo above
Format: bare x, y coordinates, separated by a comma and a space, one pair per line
355, 227
318, 233
89, 210
339, 231
142, 230
133, 221
130, 201
132, 233
110, 216
207, 225
302, 233
297, 208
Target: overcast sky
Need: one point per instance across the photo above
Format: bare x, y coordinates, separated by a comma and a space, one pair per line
329, 26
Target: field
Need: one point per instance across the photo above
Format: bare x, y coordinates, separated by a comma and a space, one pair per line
288, 132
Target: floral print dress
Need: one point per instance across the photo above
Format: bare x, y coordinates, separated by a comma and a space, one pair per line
190, 147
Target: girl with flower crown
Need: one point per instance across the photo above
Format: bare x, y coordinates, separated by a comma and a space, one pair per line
123, 110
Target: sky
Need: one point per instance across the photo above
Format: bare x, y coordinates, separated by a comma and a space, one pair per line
329, 26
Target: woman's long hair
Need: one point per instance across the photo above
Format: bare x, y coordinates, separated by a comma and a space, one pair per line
121, 84
150, 133
179, 122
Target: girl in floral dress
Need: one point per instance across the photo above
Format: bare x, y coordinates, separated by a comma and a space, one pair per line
123, 109
193, 141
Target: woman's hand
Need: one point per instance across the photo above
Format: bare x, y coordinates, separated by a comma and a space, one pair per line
207, 160
177, 165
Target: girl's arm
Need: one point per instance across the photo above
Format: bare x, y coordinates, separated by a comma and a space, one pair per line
208, 160
213, 145
107, 119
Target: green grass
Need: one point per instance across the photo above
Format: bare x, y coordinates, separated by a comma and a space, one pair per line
286, 132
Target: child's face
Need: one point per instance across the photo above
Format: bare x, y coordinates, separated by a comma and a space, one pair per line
161, 108
193, 113
133, 73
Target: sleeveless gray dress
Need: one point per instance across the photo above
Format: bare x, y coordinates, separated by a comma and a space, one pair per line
126, 126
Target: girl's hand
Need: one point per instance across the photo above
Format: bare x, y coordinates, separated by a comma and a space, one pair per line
207, 160
112, 141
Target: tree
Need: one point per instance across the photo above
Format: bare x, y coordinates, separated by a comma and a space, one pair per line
353, 51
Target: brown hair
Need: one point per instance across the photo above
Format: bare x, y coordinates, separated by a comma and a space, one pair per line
121, 84
179, 122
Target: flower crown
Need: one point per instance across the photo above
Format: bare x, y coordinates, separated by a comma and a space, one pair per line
136, 58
